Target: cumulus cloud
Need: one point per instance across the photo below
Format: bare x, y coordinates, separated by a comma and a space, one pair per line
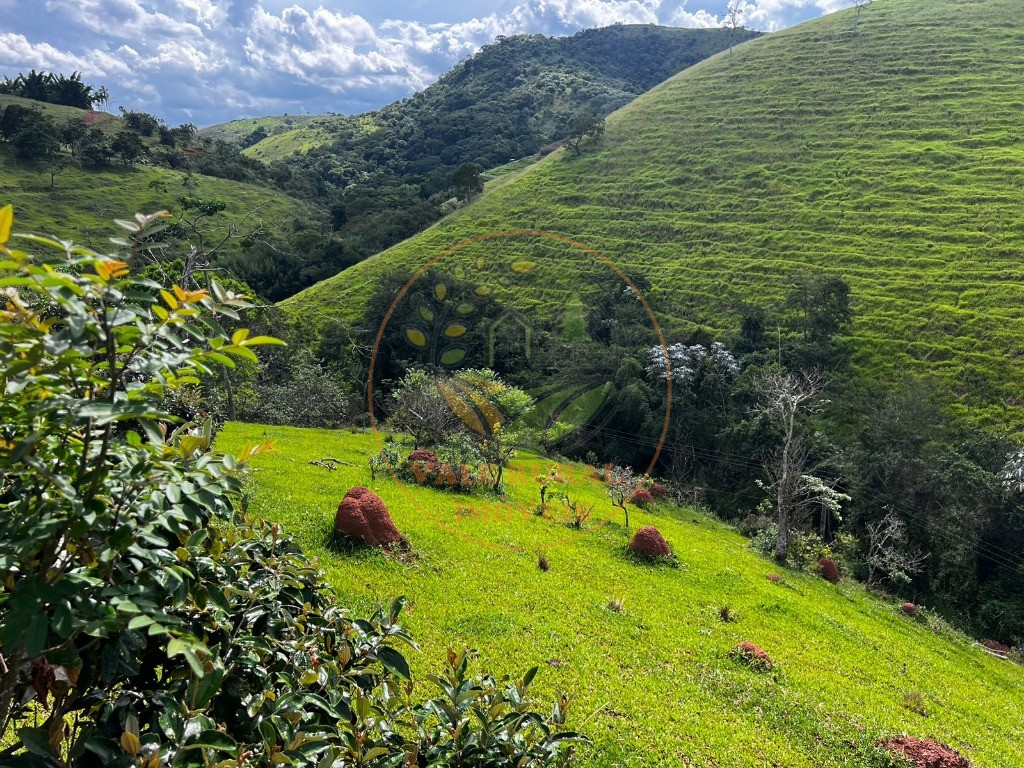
211, 60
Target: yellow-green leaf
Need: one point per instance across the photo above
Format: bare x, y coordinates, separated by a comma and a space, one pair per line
416, 337
6, 222
130, 743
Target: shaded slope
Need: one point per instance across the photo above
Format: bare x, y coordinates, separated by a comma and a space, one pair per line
652, 685
889, 156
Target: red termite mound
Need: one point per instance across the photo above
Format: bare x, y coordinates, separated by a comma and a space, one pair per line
422, 454
829, 570
909, 608
363, 516
649, 542
996, 647
752, 655
658, 490
641, 498
926, 754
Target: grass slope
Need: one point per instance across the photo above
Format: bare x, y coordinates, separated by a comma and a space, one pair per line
889, 156
86, 201
652, 685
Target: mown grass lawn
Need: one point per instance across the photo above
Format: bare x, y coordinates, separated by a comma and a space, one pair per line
652, 685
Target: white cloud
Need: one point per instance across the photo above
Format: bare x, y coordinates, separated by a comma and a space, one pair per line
216, 59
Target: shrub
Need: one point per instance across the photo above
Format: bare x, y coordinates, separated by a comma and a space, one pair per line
543, 563
649, 543
576, 512
387, 460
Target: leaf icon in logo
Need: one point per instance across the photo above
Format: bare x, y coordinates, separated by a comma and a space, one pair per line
453, 356
416, 337
455, 330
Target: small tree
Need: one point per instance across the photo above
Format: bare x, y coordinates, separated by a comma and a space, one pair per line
859, 5
489, 408
622, 482
734, 19
889, 552
784, 397
466, 180
419, 408
585, 126
129, 146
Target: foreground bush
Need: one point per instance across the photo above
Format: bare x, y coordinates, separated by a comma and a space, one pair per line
143, 621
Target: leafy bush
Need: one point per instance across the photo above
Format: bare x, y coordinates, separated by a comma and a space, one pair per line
144, 621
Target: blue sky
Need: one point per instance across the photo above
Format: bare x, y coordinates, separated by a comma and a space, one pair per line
205, 61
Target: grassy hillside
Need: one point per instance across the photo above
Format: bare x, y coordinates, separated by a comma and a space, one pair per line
103, 120
889, 155
653, 684
85, 201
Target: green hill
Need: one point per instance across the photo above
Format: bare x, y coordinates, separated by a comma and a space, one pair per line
504, 103
652, 684
889, 155
85, 201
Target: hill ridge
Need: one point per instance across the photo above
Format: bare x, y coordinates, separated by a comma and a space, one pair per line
759, 170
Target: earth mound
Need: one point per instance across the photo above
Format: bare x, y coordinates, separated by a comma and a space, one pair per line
362, 515
751, 655
926, 754
649, 542
829, 570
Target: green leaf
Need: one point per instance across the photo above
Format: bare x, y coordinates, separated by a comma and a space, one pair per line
35, 635
212, 739
36, 741
6, 222
394, 661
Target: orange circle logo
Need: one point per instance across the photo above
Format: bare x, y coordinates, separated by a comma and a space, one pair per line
437, 328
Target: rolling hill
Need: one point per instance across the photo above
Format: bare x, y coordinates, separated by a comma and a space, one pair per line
651, 680
888, 155
86, 201
503, 103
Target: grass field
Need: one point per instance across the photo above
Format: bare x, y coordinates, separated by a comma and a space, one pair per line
889, 156
653, 684
85, 202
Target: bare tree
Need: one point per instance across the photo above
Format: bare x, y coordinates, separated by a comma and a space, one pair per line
860, 5
622, 482
734, 19
784, 397
420, 408
889, 551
